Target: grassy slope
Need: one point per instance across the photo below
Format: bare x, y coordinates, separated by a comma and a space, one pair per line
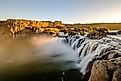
111, 26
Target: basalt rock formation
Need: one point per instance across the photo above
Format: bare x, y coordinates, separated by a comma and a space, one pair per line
106, 70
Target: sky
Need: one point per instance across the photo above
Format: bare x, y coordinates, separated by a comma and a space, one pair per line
68, 11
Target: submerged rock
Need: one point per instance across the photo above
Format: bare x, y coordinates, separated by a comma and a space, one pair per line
72, 75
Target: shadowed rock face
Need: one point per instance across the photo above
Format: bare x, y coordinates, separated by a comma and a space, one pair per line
5, 33
117, 74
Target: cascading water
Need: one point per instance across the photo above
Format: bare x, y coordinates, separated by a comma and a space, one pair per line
89, 50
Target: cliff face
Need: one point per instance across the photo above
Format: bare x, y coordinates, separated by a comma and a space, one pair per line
31, 23
16, 25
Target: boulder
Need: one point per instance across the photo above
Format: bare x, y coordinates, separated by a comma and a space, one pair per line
102, 71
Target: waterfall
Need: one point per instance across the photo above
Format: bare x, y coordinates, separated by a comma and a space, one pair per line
88, 50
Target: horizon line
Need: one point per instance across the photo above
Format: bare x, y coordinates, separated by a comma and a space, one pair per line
61, 21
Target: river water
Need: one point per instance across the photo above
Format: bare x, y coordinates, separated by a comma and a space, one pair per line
48, 59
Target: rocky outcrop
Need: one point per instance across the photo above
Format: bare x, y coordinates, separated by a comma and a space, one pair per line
96, 35
106, 70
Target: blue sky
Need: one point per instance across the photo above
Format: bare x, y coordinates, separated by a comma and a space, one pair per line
68, 11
